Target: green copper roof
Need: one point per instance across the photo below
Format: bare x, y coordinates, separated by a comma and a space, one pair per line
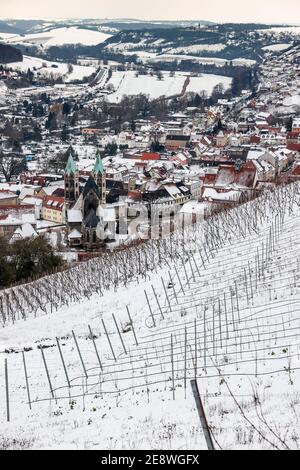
98, 168
71, 167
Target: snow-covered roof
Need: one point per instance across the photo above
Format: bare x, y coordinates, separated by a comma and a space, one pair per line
26, 231
214, 195
75, 216
74, 234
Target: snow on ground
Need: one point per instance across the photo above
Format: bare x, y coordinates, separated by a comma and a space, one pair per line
44, 67
126, 46
201, 60
292, 101
61, 36
236, 289
244, 62
198, 48
7, 35
277, 30
207, 82
277, 47
127, 83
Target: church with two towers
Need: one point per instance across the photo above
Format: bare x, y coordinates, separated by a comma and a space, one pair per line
85, 205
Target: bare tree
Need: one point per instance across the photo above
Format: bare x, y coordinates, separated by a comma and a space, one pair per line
11, 165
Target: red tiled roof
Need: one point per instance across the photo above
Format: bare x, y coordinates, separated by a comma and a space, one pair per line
296, 170
294, 147
293, 135
54, 203
230, 175
150, 156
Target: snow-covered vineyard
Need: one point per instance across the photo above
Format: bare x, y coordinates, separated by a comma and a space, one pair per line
102, 355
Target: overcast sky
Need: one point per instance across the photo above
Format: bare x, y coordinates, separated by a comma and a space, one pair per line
276, 11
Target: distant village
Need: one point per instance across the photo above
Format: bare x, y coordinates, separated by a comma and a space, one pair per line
113, 188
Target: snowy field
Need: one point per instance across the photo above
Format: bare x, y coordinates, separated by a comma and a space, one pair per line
197, 49
207, 82
58, 69
61, 36
127, 83
7, 35
201, 60
222, 303
277, 47
276, 31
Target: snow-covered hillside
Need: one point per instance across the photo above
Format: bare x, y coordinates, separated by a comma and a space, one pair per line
60, 37
222, 304
43, 67
207, 82
128, 83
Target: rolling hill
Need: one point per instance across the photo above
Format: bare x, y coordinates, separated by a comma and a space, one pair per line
149, 41
9, 54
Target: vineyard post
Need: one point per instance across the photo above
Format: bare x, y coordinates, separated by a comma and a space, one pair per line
172, 362
185, 358
220, 324
119, 333
26, 380
158, 303
79, 353
131, 323
63, 362
237, 300
196, 265
179, 279
173, 286
204, 333
47, 371
232, 311
95, 347
226, 318
7, 390
151, 312
187, 278
108, 339
202, 416
193, 274
166, 293
250, 275
202, 259
213, 331
196, 359
246, 285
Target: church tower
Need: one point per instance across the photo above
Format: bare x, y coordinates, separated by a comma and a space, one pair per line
93, 198
91, 201
100, 178
72, 189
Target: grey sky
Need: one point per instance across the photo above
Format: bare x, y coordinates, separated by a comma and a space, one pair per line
218, 10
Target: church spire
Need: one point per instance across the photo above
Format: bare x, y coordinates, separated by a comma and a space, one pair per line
71, 167
98, 168
100, 178
72, 187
